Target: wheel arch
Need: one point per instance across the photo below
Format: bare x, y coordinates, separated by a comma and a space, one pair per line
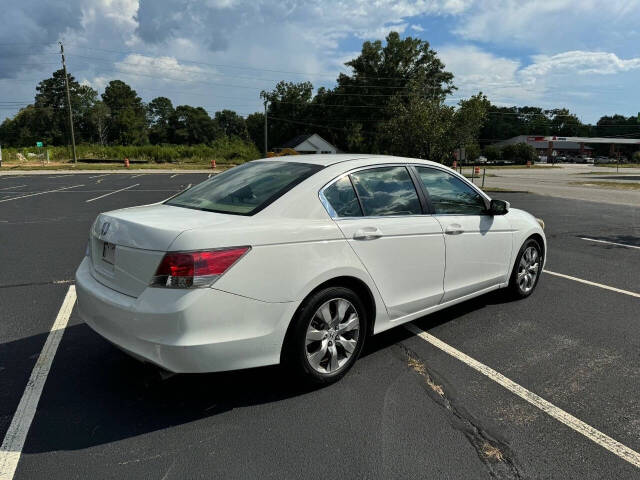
537, 237
359, 287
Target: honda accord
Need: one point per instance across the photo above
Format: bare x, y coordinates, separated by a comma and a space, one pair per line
298, 260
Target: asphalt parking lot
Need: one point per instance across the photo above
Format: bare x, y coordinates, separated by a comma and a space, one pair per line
408, 409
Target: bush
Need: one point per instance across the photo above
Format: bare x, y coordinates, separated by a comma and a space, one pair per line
636, 157
519, 153
223, 150
492, 153
472, 152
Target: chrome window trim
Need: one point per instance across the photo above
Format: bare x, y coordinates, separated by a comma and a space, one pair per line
334, 215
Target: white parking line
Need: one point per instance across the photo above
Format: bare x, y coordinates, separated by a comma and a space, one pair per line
174, 175
569, 420
111, 193
610, 243
39, 193
139, 175
594, 284
97, 176
16, 435
14, 186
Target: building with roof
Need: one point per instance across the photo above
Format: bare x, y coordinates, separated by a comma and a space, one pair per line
309, 143
541, 143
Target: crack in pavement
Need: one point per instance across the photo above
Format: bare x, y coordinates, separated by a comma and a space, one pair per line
493, 453
36, 284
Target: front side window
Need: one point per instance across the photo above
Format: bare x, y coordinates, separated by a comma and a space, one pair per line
450, 195
246, 189
386, 191
342, 198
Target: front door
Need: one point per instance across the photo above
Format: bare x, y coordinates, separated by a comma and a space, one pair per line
401, 248
478, 245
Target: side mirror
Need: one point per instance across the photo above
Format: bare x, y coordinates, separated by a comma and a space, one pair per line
498, 207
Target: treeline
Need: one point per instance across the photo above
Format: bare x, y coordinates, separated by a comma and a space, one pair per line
117, 117
394, 102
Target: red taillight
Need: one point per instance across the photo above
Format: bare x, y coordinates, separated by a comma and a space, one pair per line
195, 269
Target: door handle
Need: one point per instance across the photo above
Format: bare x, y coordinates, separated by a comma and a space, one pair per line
454, 229
367, 233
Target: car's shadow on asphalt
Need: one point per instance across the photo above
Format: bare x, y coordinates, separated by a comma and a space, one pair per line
96, 394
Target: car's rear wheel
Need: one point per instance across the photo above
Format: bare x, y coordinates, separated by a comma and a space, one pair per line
527, 269
327, 336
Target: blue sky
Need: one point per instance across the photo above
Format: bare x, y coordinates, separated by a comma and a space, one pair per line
583, 55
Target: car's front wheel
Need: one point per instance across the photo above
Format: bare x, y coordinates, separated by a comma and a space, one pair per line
527, 269
328, 335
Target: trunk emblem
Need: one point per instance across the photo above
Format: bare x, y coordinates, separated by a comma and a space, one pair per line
105, 228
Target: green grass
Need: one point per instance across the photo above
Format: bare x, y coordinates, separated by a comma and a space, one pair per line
508, 190
70, 166
609, 185
495, 167
622, 165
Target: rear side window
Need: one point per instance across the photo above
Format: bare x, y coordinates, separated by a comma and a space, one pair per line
449, 194
386, 191
246, 189
342, 198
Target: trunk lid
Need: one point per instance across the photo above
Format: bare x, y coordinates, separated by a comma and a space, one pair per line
127, 245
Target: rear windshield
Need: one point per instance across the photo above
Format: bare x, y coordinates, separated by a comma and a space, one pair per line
246, 189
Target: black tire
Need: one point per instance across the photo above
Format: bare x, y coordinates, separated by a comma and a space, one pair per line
295, 352
515, 289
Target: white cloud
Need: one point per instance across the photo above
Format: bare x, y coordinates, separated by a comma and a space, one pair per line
578, 80
548, 25
558, 50
165, 68
581, 63
381, 32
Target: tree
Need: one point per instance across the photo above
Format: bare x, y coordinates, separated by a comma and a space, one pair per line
417, 127
382, 75
492, 153
471, 152
51, 103
520, 153
159, 113
232, 124
99, 117
469, 119
255, 130
288, 111
192, 125
24, 129
128, 125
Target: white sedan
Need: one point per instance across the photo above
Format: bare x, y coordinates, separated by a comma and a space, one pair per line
298, 260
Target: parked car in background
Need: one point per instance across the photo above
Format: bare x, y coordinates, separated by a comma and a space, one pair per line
298, 260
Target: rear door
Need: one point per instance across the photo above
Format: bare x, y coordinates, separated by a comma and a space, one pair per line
478, 245
381, 214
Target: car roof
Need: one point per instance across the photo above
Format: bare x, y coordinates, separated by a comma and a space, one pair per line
328, 159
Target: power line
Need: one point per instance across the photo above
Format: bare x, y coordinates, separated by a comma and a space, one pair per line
216, 73
244, 67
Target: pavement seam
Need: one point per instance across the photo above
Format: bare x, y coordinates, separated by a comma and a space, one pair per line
493, 453
577, 425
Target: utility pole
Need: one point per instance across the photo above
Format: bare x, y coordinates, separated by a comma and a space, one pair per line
265, 129
66, 82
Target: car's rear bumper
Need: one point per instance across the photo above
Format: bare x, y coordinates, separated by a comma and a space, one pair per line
195, 330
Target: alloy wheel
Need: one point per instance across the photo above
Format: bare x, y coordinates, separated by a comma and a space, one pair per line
332, 335
528, 269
